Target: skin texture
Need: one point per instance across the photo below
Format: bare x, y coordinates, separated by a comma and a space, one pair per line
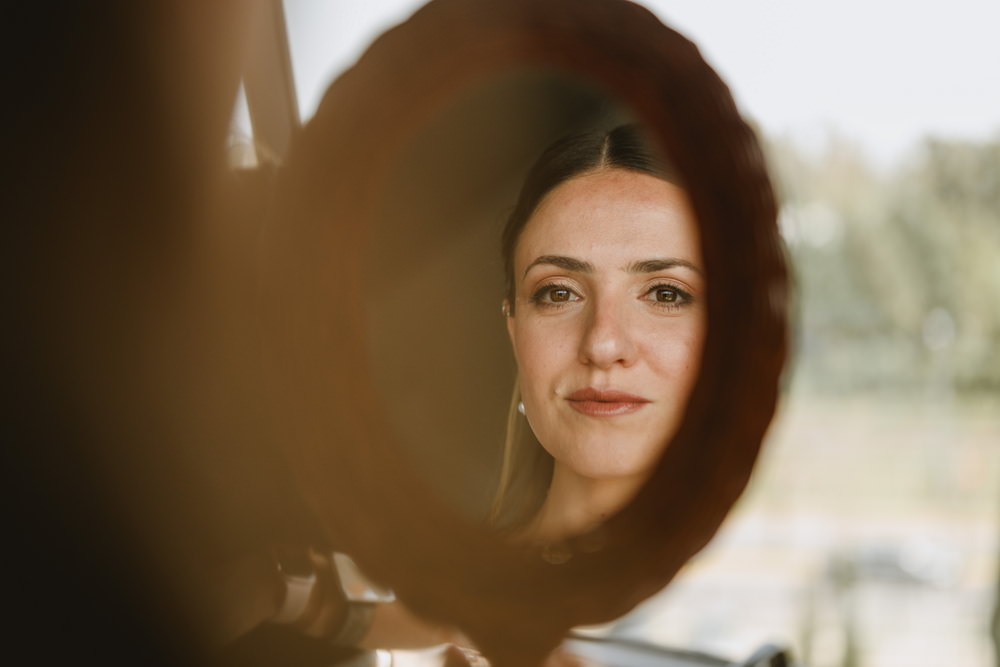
609, 296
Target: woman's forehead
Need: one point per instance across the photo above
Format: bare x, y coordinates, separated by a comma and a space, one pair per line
611, 215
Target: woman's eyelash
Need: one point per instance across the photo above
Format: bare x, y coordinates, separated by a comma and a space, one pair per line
664, 295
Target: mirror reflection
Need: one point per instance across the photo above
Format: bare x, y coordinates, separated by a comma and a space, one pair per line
536, 303
605, 316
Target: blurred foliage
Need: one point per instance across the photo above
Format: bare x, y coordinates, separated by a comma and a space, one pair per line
897, 271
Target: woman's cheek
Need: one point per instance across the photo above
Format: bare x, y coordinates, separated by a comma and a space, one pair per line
542, 360
676, 355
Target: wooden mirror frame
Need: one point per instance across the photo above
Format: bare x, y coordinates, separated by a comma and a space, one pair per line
512, 603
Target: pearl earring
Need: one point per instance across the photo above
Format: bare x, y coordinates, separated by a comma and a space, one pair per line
520, 407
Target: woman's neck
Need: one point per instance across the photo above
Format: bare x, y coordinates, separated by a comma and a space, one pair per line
575, 504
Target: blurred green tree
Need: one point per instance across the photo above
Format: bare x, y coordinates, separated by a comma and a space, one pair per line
897, 270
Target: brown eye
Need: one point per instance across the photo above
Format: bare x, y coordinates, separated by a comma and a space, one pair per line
559, 295
666, 295
554, 295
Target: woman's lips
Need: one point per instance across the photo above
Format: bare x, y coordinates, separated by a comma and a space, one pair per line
605, 403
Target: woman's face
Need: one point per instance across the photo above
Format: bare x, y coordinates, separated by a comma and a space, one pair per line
609, 320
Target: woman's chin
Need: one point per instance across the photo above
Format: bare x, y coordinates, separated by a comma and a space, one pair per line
612, 469
601, 457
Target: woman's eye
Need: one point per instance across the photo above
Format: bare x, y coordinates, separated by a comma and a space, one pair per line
551, 295
668, 295
559, 294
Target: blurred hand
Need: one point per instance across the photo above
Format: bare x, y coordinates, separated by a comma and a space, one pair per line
458, 656
445, 655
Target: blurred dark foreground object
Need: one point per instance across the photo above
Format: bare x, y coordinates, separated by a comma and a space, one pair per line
128, 474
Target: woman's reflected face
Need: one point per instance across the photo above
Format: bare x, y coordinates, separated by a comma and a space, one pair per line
609, 320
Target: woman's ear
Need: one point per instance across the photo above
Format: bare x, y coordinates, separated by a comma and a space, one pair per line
509, 318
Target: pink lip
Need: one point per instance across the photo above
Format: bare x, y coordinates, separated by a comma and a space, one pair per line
605, 403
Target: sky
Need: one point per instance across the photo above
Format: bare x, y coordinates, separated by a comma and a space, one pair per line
884, 73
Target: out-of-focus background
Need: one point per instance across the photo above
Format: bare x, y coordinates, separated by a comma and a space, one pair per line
869, 534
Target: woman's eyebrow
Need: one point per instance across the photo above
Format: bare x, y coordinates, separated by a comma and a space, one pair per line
563, 262
652, 265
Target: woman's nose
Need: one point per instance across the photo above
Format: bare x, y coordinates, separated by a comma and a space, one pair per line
607, 339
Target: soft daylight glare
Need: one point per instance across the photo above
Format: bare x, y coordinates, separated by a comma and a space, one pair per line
328, 37
882, 73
